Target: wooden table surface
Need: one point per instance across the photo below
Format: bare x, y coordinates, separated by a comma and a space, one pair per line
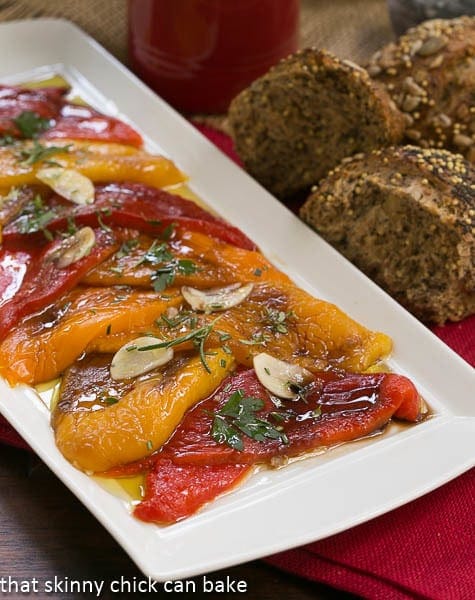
46, 532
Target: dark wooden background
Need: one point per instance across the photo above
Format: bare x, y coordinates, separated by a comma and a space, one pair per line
46, 532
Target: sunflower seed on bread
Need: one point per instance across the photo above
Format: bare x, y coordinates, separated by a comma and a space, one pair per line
430, 74
406, 217
295, 123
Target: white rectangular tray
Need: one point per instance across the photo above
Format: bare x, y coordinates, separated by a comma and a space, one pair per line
310, 499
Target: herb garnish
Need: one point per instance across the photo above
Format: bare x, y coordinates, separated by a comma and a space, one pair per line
168, 231
110, 400
7, 140
38, 152
197, 336
237, 416
30, 124
181, 318
101, 223
164, 276
257, 339
36, 218
277, 319
126, 248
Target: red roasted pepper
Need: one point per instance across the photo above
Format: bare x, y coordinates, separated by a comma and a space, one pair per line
67, 120
138, 206
43, 281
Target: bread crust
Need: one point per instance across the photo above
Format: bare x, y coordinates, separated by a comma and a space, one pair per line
308, 112
406, 217
430, 74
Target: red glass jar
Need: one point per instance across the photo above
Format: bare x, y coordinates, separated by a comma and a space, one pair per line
198, 54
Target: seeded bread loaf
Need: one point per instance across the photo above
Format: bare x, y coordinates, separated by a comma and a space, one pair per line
308, 112
430, 73
406, 217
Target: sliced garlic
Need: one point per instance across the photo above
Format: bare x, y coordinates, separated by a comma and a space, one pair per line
68, 183
215, 299
74, 248
278, 376
129, 361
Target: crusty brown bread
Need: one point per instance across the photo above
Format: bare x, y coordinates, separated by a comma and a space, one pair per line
308, 112
430, 74
406, 217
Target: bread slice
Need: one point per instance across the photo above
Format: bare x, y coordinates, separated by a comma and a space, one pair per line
430, 74
406, 217
299, 120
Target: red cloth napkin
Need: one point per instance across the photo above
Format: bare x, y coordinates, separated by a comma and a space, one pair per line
425, 549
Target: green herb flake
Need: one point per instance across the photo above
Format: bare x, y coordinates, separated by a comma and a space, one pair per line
258, 272
30, 124
257, 339
277, 319
110, 400
149, 445
238, 416
222, 363
7, 140
36, 217
38, 152
102, 225
197, 336
168, 231
108, 329
126, 248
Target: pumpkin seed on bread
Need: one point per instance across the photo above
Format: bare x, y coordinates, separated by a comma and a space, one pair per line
295, 123
406, 217
430, 74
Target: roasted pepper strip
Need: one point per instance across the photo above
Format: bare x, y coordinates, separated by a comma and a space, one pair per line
193, 469
85, 123
142, 420
44, 345
45, 102
44, 281
67, 120
134, 205
336, 409
100, 161
173, 492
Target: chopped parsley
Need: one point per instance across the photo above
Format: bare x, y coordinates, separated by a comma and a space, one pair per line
168, 231
238, 416
7, 140
36, 217
110, 400
30, 124
102, 225
37, 152
126, 248
156, 254
277, 319
165, 275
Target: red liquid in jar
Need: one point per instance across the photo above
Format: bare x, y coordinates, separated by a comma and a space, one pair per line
198, 54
